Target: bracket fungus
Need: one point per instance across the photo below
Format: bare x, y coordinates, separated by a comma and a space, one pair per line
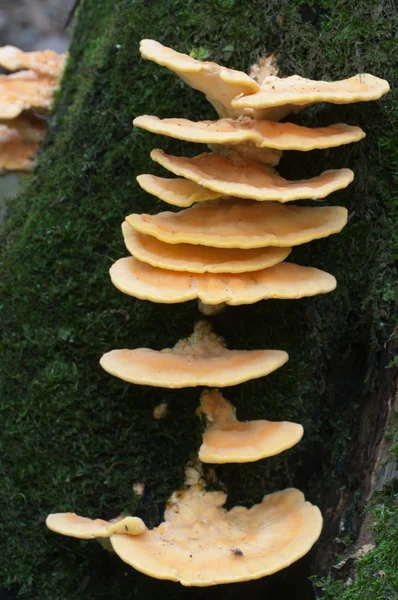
178, 191
233, 93
283, 281
229, 248
200, 543
199, 259
299, 91
248, 179
219, 84
24, 90
201, 359
237, 223
88, 529
227, 440
263, 134
44, 62
15, 153
31, 88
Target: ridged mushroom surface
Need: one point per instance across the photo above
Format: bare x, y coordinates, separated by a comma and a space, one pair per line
236, 223
227, 440
249, 179
199, 259
284, 281
263, 134
201, 359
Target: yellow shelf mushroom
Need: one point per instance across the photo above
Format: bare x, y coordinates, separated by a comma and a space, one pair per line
284, 281
24, 90
227, 440
73, 525
247, 138
30, 88
178, 192
230, 248
237, 223
15, 154
221, 85
201, 359
43, 62
200, 543
199, 259
302, 92
248, 179
263, 134
234, 93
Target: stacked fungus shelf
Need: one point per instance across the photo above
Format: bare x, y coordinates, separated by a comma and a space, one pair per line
228, 245
24, 96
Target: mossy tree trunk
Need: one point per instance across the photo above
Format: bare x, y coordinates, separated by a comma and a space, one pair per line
75, 438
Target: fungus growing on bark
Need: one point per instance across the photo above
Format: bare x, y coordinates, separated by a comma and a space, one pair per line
178, 192
219, 84
201, 359
22, 131
234, 93
15, 153
238, 223
296, 90
263, 134
19, 141
249, 179
200, 543
24, 90
43, 62
227, 440
199, 259
29, 126
73, 525
284, 281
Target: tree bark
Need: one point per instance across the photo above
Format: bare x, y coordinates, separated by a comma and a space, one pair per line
77, 439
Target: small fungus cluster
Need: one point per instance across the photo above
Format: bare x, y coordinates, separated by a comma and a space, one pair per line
228, 245
25, 95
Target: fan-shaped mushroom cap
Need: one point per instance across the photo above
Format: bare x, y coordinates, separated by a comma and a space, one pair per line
87, 529
219, 84
264, 134
236, 223
249, 179
227, 440
201, 359
199, 259
284, 281
15, 153
201, 544
25, 90
179, 192
297, 90
44, 62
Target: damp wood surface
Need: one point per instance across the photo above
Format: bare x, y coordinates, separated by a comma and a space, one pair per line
74, 438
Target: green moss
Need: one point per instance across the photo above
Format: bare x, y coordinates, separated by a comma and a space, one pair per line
375, 575
74, 438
